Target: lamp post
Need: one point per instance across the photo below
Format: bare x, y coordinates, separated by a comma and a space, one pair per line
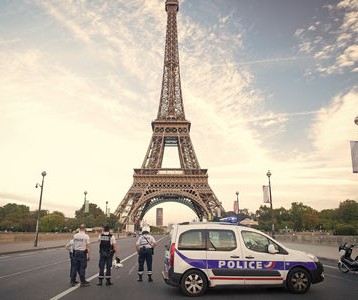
39, 211
106, 208
238, 210
268, 174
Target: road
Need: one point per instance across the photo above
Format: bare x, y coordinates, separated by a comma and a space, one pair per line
45, 275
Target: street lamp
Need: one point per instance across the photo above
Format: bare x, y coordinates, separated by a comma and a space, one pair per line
237, 201
268, 174
38, 212
106, 208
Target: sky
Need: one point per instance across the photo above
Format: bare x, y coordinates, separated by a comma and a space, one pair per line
267, 85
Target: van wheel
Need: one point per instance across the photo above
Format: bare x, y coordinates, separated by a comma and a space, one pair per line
193, 283
298, 281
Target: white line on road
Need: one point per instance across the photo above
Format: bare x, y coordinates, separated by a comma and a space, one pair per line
330, 267
33, 269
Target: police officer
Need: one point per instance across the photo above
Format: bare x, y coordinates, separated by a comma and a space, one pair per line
81, 254
69, 247
145, 245
107, 248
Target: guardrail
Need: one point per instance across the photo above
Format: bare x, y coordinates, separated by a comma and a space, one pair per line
317, 238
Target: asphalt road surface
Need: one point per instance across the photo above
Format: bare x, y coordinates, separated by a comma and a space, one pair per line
45, 275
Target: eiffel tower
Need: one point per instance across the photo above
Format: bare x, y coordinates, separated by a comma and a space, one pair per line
153, 184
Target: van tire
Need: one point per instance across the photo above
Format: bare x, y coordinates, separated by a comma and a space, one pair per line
193, 283
298, 281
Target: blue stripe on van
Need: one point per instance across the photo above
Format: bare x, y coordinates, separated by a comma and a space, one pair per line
243, 264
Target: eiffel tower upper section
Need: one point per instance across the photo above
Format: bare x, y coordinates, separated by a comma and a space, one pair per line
153, 184
171, 101
171, 127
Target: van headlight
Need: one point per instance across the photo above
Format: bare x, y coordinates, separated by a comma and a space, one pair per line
313, 257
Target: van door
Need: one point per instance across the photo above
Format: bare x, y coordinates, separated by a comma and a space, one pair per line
223, 257
260, 266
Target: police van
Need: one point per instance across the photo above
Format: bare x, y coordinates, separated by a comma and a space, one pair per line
202, 255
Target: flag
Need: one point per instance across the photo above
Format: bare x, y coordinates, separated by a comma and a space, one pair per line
266, 191
86, 207
236, 207
354, 152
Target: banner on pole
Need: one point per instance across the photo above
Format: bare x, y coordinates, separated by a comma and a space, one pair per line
236, 207
354, 152
86, 207
266, 193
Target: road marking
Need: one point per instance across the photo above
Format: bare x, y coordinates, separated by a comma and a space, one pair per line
330, 267
71, 289
33, 269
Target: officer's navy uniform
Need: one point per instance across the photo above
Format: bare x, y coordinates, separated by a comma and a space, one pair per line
106, 252
80, 242
69, 247
146, 244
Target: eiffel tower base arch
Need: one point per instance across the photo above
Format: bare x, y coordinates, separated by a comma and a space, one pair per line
154, 186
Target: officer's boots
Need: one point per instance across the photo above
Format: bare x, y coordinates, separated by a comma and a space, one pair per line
100, 280
140, 277
108, 281
150, 277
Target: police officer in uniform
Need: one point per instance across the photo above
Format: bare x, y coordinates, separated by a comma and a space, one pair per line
107, 249
81, 254
145, 245
69, 247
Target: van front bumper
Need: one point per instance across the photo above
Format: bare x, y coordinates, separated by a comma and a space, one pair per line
317, 274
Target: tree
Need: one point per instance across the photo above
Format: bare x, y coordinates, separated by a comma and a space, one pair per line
328, 219
348, 212
263, 215
53, 222
95, 217
12, 216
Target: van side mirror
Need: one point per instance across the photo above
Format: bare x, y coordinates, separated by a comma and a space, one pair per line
271, 249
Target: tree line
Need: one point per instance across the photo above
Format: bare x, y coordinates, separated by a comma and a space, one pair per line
19, 218
341, 221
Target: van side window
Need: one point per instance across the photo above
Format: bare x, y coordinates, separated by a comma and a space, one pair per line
257, 242
192, 240
221, 240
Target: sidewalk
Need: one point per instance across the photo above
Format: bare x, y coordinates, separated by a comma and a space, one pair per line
29, 246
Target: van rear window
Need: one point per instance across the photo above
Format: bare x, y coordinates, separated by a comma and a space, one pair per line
207, 239
192, 240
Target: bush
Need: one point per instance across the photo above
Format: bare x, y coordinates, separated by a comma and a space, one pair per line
344, 229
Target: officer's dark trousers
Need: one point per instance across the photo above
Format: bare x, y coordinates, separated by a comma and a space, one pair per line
71, 261
79, 265
145, 255
105, 260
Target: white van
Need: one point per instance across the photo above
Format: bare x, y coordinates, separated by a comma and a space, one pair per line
202, 255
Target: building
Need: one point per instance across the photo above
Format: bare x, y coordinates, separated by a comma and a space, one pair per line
159, 217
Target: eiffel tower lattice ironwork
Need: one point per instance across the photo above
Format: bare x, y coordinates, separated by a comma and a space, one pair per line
153, 184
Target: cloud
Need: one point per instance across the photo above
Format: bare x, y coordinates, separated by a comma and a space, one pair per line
83, 113
334, 42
